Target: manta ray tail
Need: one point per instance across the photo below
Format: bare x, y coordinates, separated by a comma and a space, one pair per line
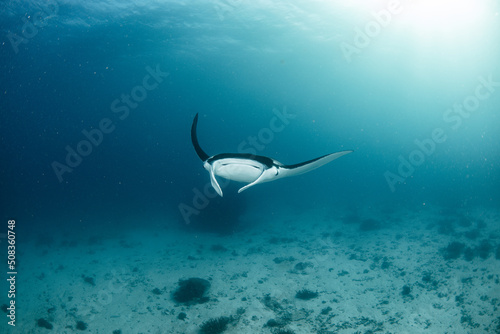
194, 138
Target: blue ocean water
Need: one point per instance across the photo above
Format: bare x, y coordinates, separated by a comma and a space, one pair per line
97, 100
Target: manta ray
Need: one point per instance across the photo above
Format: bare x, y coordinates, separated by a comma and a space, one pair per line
250, 168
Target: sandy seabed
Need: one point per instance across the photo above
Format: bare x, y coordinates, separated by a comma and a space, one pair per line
398, 272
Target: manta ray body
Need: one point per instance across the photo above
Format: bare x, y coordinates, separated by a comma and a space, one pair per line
252, 169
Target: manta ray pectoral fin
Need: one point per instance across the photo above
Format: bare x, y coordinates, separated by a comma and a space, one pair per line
214, 182
307, 166
194, 139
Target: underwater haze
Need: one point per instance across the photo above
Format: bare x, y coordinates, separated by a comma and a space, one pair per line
106, 195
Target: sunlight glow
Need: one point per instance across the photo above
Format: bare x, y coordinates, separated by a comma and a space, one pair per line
443, 17
430, 18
